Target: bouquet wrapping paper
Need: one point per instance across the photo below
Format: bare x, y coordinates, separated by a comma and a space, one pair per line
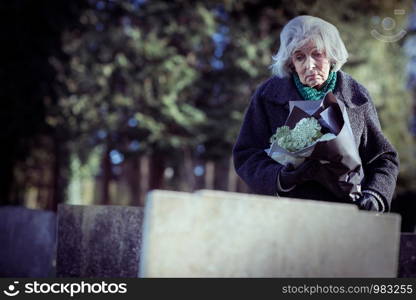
340, 163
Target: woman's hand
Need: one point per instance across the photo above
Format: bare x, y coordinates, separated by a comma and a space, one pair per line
289, 176
368, 202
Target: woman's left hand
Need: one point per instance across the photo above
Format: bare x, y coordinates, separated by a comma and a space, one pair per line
368, 202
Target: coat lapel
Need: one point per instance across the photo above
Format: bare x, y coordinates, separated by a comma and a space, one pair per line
280, 91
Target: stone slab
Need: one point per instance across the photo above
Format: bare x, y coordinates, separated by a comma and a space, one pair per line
238, 196
195, 235
99, 241
27, 242
407, 261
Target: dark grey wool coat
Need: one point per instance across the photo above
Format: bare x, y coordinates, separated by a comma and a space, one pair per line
268, 109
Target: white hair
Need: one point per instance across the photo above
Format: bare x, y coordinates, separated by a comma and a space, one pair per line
301, 30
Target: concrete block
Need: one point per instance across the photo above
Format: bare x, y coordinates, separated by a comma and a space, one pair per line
210, 234
99, 241
27, 239
407, 261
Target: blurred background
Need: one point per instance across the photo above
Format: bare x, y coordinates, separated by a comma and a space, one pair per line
104, 100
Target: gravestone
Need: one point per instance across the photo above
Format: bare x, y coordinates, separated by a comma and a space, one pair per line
208, 235
407, 266
99, 241
27, 242
237, 196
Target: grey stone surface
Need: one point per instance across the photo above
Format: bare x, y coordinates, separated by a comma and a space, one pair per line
407, 262
238, 196
214, 235
27, 242
99, 241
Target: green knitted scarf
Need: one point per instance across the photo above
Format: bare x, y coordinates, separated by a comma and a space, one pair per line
309, 93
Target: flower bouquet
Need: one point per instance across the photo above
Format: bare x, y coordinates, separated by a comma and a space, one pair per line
321, 130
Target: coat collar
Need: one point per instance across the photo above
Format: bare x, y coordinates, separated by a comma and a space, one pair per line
282, 90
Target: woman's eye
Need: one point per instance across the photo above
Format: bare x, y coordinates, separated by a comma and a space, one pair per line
318, 54
299, 57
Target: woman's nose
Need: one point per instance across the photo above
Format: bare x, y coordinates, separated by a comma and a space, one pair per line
309, 63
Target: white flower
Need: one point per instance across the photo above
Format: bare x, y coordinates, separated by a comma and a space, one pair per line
306, 132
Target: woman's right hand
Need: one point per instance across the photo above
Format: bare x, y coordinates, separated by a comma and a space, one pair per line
306, 171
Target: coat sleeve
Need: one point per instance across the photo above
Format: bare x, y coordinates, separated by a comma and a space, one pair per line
379, 158
251, 162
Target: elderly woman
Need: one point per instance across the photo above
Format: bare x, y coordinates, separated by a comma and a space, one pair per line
306, 67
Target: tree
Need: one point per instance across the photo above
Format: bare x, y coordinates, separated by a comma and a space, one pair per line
31, 34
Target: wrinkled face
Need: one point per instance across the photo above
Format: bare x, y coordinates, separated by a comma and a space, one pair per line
312, 65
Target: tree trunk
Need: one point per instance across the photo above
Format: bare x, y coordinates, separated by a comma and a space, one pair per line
209, 175
144, 178
60, 173
133, 179
200, 180
188, 170
106, 178
232, 176
221, 175
157, 168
